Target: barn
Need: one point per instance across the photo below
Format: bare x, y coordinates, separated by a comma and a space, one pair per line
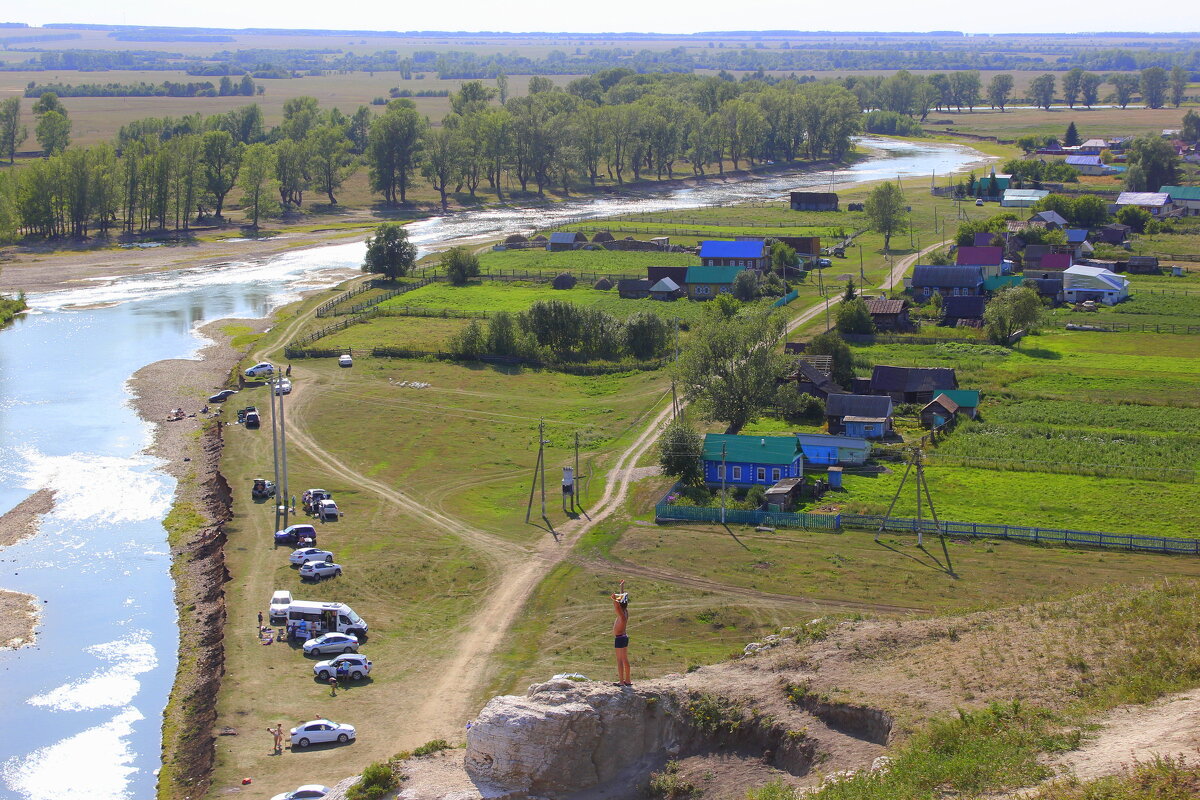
814, 201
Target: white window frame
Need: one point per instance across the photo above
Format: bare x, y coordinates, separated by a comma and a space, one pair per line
761, 473
776, 474
737, 473
720, 472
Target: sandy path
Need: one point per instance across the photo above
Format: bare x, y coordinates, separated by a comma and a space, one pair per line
1169, 728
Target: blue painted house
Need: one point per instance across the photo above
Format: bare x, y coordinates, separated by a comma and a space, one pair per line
746, 253
827, 450
751, 460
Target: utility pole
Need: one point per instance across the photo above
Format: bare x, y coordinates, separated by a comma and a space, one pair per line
723, 469
674, 412
283, 453
862, 278
677, 339
536, 467
575, 486
542, 462
826, 314
275, 451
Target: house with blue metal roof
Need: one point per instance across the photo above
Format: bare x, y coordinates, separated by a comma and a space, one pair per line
737, 460
1089, 165
745, 253
830, 451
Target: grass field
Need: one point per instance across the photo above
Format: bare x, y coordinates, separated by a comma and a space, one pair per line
602, 261
410, 333
1097, 122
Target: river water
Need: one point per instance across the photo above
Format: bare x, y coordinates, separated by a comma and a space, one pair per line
83, 708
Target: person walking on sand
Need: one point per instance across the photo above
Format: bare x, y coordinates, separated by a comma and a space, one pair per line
277, 732
620, 601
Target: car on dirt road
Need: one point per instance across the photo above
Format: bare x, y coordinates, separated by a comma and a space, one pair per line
321, 731
222, 396
283, 387
306, 554
353, 665
262, 369
328, 511
309, 791
320, 570
345, 360
331, 643
296, 534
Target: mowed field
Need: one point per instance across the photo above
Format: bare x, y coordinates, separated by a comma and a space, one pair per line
1095, 122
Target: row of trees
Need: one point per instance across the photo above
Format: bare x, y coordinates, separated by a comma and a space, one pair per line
1155, 85
226, 87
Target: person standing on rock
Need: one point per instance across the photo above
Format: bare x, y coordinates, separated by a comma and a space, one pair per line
620, 601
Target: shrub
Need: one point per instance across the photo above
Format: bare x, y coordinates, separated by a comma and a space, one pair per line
669, 785
794, 404
891, 123
775, 790
376, 781
432, 746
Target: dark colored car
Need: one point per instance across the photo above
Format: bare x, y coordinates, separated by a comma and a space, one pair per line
297, 534
222, 396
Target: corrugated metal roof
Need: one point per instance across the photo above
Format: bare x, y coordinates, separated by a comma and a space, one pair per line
712, 274
936, 276
746, 248
863, 405
665, 285
565, 237
1143, 199
1084, 161
1055, 261
1181, 192
1077, 235
1032, 194
966, 398
988, 256
879, 305
824, 439
751, 449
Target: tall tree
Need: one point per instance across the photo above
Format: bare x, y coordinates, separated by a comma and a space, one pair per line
442, 160
1041, 91
1179, 82
393, 150
1071, 137
1089, 88
1124, 85
255, 176
53, 132
1072, 84
330, 161
300, 115
1154, 82
886, 213
1010, 310
1191, 127
681, 452
1156, 159
999, 90
222, 161
389, 252
292, 165
730, 364
471, 98
47, 102
12, 132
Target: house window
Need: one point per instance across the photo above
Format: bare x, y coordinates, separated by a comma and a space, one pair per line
720, 472
702, 290
775, 474
737, 473
762, 473
725, 289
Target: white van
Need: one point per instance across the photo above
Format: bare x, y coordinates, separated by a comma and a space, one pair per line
312, 618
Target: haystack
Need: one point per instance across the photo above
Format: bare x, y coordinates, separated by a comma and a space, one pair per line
604, 285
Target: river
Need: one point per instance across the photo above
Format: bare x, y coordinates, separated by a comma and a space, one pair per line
83, 708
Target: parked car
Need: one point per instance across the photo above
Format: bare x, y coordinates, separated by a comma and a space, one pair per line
260, 370
283, 387
250, 419
297, 534
313, 496
280, 601
328, 510
345, 360
979, 201
262, 488
222, 396
824, 262
309, 791
331, 643
320, 731
306, 554
319, 570
356, 666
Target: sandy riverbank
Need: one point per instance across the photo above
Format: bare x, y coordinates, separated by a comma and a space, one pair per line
191, 448
20, 612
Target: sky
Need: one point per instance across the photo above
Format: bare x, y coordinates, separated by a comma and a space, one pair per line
621, 15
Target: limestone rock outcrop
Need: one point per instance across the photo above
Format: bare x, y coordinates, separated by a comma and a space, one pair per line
563, 736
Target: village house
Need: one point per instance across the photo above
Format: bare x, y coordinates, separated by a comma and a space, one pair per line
744, 254
1157, 204
814, 201
751, 460
634, 288
1055, 262
1092, 147
677, 274
888, 314
814, 380
666, 289
849, 414
826, 450
989, 259
1052, 219
1082, 283
1012, 242
912, 384
705, 283
1088, 164
1116, 233
1186, 198
946, 280
1077, 239
939, 411
992, 185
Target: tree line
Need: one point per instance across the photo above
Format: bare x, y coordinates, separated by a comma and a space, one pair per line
225, 88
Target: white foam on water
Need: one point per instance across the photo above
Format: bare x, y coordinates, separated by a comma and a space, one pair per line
99, 489
94, 764
114, 686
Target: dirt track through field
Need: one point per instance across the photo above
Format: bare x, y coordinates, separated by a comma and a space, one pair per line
451, 694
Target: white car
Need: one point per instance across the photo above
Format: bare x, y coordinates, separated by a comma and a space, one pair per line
279, 604
327, 509
260, 370
306, 554
320, 731
356, 666
319, 570
283, 387
331, 643
345, 360
309, 791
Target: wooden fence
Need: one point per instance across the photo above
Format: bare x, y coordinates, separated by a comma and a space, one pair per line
663, 512
293, 351
326, 308
1138, 327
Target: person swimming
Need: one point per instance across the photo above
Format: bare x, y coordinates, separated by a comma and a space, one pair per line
620, 601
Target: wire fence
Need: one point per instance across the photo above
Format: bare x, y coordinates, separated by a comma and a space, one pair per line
664, 513
1137, 327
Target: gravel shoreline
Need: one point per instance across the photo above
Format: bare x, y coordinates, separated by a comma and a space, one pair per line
20, 613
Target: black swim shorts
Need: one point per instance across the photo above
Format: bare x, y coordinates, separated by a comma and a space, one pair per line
621, 641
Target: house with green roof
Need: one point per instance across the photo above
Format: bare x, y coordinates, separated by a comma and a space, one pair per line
737, 460
967, 400
1185, 197
705, 283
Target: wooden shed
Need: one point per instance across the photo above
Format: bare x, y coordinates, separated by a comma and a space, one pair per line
814, 201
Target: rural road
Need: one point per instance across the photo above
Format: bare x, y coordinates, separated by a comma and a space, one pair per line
450, 697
